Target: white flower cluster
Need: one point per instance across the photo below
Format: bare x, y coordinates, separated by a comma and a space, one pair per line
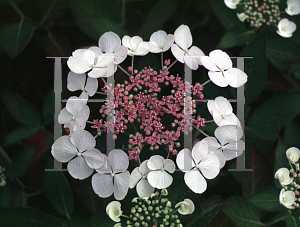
290, 184
2, 177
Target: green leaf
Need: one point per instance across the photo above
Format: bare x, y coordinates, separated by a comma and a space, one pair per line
48, 108
208, 210
180, 192
162, 10
21, 162
100, 218
58, 190
267, 199
236, 36
283, 49
275, 113
281, 216
294, 220
292, 134
241, 212
23, 132
255, 68
52, 10
5, 196
20, 109
14, 37
5, 156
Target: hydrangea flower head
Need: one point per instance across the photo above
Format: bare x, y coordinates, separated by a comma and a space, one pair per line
286, 28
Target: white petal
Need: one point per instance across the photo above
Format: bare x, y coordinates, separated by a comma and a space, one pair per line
143, 169
93, 158
159, 38
228, 133
79, 169
91, 86
64, 116
210, 166
97, 72
118, 160
142, 49
184, 160
105, 60
78, 66
169, 166
120, 54
218, 79
195, 53
97, 51
103, 185
211, 106
235, 77
63, 150
113, 205
83, 140
126, 42
212, 143
89, 57
144, 189
135, 176
109, 42
231, 119
183, 37
135, 41
221, 59
156, 162
169, 42
223, 105
221, 158
233, 150
73, 105
177, 52
121, 184
84, 96
217, 118
106, 167
200, 151
195, 181
208, 63
75, 81
154, 48
191, 62
159, 179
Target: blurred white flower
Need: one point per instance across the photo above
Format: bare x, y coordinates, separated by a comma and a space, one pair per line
283, 175
185, 207
138, 177
75, 114
113, 210
286, 28
220, 69
242, 16
196, 164
118, 225
160, 41
135, 45
293, 7
113, 176
184, 40
159, 176
287, 198
80, 145
231, 3
293, 154
221, 110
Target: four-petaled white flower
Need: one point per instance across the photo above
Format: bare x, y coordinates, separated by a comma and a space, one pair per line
75, 114
92, 60
231, 3
229, 146
78, 82
159, 177
135, 45
113, 210
286, 28
293, 7
293, 154
185, 207
113, 176
221, 110
160, 41
80, 144
283, 175
138, 177
287, 198
183, 40
196, 164
220, 69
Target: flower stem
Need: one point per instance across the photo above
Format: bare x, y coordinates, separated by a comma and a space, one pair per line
124, 70
201, 131
90, 122
162, 60
132, 61
172, 65
205, 83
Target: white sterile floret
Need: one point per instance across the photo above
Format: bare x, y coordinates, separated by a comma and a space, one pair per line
221, 71
185, 207
286, 28
113, 210
221, 110
113, 176
160, 41
287, 198
181, 51
293, 7
92, 60
242, 16
75, 114
80, 145
283, 175
138, 177
196, 164
231, 4
293, 154
118, 225
135, 45
228, 146
159, 176
78, 82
